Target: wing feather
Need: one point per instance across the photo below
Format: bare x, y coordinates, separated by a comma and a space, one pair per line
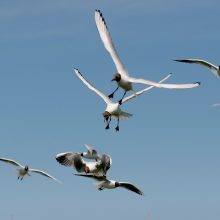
92, 88
108, 43
13, 162
166, 86
204, 63
131, 187
144, 90
44, 174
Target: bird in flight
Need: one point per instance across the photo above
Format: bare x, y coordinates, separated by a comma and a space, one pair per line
113, 109
111, 184
71, 159
91, 153
24, 170
123, 79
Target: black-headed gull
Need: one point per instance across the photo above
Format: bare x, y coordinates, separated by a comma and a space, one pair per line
112, 184
122, 77
71, 159
212, 67
91, 153
113, 109
24, 170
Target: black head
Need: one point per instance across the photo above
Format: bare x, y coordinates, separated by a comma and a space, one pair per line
26, 168
219, 67
116, 77
81, 154
106, 115
117, 184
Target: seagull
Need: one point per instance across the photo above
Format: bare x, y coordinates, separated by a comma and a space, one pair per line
91, 153
113, 109
112, 184
212, 67
123, 79
24, 170
71, 159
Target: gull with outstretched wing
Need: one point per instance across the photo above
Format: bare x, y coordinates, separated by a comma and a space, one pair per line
24, 170
113, 109
123, 79
112, 184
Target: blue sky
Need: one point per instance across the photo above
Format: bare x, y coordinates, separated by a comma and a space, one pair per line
169, 148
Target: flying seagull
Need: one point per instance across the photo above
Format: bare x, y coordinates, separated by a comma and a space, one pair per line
24, 170
91, 153
113, 109
71, 159
123, 79
112, 184
212, 67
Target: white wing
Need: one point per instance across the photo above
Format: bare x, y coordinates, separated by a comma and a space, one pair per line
211, 66
161, 85
13, 162
44, 174
91, 87
144, 90
107, 41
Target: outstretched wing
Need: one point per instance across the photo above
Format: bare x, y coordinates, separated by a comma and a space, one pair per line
143, 90
44, 174
131, 187
91, 87
107, 41
70, 159
197, 61
161, 85
91, 176
204, 63
13, 162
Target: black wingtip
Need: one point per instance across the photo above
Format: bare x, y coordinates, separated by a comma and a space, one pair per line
198, 83
60, 159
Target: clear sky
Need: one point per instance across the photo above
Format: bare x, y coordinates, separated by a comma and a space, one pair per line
169, 148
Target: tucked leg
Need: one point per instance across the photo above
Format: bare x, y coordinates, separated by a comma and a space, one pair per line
120, 101
117, 127
112, 94
107, 127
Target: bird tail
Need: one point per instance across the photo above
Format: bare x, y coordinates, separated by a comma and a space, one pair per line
122, 115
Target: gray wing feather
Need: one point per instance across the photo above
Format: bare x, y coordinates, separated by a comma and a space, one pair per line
13, 162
